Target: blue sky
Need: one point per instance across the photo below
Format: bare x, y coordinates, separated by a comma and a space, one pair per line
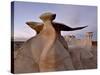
71, 15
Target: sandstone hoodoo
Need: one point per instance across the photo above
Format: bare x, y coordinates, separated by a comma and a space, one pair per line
88, 40
48, 50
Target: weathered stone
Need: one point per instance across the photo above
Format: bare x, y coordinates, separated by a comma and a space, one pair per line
88, 40
80, 49
47, 51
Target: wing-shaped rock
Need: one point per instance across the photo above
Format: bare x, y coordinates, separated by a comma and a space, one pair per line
38, 26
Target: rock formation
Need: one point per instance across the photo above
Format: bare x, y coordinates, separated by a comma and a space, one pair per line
88, 40
80, 49
47, 51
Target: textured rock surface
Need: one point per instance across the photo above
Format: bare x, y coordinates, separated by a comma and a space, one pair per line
80, 49
47, 55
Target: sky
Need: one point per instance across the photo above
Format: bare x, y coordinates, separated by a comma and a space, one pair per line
70, 15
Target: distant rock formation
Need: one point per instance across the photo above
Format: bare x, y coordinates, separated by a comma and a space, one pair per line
88, 40
80, 48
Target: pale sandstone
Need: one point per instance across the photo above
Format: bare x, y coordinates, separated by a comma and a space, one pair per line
47, 51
